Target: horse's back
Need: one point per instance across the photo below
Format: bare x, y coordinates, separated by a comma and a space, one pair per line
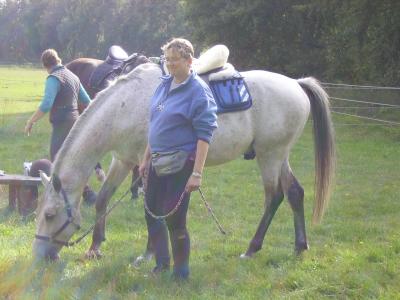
281, 106
276, 119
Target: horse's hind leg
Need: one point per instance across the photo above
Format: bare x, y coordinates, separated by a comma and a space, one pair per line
295, 195
273, 198
117, 173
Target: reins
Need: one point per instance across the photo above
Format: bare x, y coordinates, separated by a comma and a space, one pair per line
69, 244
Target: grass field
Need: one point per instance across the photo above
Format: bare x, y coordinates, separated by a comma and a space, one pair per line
354, 253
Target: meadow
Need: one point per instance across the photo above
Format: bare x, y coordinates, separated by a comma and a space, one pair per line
354, 253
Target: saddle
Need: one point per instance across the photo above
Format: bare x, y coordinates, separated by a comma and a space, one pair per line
117, 63
227, 85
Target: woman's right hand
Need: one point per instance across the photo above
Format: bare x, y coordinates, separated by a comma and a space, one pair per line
28, 127
143, 168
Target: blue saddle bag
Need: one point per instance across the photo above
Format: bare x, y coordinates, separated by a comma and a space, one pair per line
231, 94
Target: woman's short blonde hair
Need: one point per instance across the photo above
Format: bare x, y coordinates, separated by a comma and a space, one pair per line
50, 58
183, 46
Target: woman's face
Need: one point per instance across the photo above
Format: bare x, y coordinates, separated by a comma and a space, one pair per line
177, 65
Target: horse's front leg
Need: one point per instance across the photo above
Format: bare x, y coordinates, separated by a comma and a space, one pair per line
117, 173
136, 183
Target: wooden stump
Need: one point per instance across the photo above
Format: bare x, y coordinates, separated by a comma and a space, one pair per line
22, 192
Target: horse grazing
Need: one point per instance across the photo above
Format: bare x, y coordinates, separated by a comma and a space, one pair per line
117, 121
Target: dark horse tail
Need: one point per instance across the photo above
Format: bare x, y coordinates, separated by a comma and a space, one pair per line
324, 144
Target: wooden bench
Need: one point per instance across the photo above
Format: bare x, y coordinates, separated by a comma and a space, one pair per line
19, 192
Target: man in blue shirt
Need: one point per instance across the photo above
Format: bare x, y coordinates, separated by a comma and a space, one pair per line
182, 119
62, 92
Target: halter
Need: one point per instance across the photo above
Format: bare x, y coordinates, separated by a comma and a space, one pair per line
70, 220
53, 239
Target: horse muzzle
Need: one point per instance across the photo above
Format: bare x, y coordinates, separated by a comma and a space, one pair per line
44, 250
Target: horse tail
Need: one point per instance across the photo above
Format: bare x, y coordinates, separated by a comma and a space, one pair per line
324, 144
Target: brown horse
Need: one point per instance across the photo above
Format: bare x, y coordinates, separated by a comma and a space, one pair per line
83, 68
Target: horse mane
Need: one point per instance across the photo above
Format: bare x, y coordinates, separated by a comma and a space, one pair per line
93, 109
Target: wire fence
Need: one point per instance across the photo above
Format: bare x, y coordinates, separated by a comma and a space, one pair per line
376, 105
365, 105
366, 102
354, 86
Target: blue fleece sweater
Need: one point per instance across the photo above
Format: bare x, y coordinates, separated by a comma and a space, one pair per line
180, 117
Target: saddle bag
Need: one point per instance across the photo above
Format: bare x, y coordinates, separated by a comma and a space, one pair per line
231, 94
168, 163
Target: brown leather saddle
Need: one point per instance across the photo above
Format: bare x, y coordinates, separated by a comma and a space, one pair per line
117, 63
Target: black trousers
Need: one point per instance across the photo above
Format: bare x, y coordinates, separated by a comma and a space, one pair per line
162, 196
58, 135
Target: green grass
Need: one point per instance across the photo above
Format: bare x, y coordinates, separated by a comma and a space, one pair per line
355, 252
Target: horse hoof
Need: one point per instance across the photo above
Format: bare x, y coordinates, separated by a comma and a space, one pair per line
135, 195
245, 256
141, 259
141, 190
299, 250
93, 254
100, 175
89, 197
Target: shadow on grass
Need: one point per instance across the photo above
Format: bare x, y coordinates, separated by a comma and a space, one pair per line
11, 216
67, 280
6, 213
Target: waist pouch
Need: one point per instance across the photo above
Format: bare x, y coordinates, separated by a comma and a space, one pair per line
168, 163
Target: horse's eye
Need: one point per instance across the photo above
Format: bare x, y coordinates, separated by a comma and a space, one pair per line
49, 216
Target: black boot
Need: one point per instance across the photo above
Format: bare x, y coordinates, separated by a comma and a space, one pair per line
158, 236
180, 243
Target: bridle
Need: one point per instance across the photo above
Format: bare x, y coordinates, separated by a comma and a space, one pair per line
70, 220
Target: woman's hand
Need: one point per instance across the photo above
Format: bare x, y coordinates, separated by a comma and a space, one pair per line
193, 183
28, 127
37, 115
143, 168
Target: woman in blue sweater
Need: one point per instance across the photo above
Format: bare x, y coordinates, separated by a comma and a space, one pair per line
182, 120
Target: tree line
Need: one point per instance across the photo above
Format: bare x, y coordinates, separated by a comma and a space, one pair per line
356, 41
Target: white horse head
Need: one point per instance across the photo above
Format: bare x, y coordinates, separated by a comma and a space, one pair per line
57, 219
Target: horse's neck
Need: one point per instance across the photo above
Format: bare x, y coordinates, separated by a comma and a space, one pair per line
79, 155
103, 125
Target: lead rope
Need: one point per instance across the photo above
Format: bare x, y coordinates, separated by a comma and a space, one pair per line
168, 214
207, 205
69, 244
212, 213
115, 204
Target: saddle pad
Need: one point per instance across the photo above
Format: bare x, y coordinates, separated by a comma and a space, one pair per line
231, 94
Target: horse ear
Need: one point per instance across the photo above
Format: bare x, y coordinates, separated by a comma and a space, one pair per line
56, 183
45, 178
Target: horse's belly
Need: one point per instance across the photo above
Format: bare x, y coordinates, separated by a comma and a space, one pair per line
232, 138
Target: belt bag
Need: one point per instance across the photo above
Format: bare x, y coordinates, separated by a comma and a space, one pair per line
168, 163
